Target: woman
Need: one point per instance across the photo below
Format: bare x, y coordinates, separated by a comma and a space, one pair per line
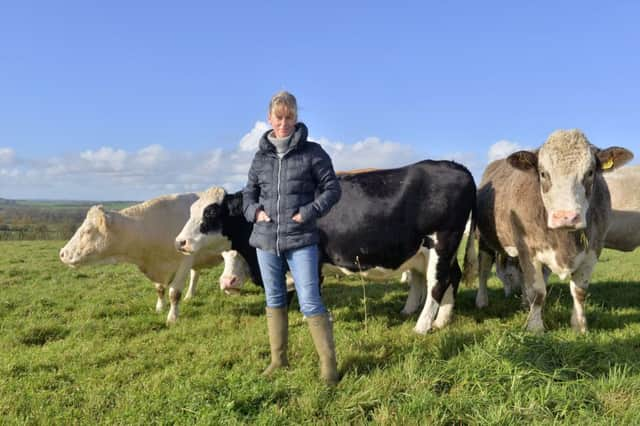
291, 184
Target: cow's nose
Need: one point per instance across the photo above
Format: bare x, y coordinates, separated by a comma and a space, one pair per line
228, 281
62, 254
565, 218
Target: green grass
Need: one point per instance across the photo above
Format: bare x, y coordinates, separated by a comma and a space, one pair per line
85, 346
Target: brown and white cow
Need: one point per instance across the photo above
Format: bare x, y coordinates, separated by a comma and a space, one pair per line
551, 209
623, 233
144, 235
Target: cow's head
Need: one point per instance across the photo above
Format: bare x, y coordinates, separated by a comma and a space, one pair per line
567, 166
204, 227
92, 240
235, 274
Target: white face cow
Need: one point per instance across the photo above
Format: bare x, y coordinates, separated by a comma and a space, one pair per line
91, 241
566, 168
194, 237
235, 274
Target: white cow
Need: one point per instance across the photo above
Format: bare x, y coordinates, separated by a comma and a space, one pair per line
624, 231
237, 272
143, 235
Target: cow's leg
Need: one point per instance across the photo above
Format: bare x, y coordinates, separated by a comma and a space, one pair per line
508, 271
175, 289
439, 267
160, 290
579, 285
193, 283
535, 289
417, 291
485, 260
446, 306
291, 285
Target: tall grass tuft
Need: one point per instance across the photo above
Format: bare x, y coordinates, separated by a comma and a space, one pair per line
364, 293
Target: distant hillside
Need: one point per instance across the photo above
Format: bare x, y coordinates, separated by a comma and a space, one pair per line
46, 219
66, 204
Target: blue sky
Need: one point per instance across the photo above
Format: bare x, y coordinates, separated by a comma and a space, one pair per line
131, 100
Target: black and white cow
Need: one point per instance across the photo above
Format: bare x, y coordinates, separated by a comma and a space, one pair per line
382, 221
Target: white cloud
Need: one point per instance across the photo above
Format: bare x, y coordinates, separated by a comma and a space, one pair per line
249, 142
10, 173
151, 157
112, 173
502, 149
7, 156
369, 153
105, 159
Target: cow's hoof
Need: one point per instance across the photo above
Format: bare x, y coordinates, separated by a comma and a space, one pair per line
171, 319
159, 307
579, 325
187, 296
440, 324
535, 327
580, 330
421, 331
407, 312
482, 301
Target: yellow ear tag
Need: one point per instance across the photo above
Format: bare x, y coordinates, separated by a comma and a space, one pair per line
607, 164
584, 240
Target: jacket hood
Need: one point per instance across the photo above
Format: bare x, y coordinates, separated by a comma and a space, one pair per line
299, 136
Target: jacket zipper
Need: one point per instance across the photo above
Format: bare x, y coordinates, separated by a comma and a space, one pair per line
278, 209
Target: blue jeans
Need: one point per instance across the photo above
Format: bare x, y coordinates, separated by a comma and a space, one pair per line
303, 263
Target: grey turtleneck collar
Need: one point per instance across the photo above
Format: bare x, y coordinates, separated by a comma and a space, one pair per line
281, 144
298, 137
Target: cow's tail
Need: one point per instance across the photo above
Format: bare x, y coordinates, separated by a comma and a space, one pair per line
470, 265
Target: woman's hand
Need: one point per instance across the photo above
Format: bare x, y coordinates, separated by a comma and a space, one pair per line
297, 218
261, 216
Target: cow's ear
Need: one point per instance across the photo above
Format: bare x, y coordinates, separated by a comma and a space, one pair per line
214, 212
210, 212
234, 204
96, 210
524, 160
103, 219
610, 159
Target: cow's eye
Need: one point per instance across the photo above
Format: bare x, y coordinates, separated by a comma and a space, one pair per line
590, 173
544, 175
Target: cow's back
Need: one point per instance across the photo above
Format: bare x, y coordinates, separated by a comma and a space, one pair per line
162, 218
623, 184
385, 214
624, 228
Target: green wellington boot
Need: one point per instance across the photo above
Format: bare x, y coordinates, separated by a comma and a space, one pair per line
322, 333
278, 325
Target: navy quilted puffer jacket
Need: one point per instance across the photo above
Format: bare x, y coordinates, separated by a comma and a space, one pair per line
302, 181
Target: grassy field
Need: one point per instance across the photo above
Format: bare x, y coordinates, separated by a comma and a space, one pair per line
85, 346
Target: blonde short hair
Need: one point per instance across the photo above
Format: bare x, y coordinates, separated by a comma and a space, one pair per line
284, 100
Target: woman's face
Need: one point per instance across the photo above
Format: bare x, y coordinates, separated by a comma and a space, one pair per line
283, 122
